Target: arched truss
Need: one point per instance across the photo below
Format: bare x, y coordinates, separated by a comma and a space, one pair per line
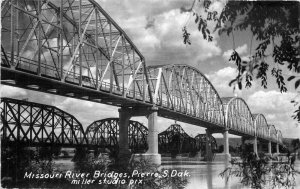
29, 123
186, 90
238, 116
279, 137
272, 133
201, 140
261, 126
105, 134
73, 41
77, 42
175, 140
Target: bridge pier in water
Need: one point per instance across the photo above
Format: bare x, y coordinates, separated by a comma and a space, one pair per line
209, 154
225, 156
260, 147
270, 147
226, 146
255, 146
277, 148
152, 154
252, 139
124, 117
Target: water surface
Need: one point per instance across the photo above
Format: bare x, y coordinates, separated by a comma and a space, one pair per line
203, 175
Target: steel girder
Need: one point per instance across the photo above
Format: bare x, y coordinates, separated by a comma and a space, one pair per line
73, 41
175, 140
29, 123
186, 90
201, 140
272, 133
238, 116
261, 126
105, 134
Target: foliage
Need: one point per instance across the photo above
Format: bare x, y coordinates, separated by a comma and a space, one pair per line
91, 163
275, 29
17, 160
14, 161
47, 152
263, 171
80, 154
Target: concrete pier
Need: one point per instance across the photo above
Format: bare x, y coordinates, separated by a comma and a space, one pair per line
124, 117
270, 147
255, 146
152, 153
225, 156
209, 154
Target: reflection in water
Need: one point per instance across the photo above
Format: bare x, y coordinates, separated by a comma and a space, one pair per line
209, 175
206, 176
203, 175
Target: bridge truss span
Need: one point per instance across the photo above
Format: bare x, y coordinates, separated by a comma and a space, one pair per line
105, 134
238, 116
184, 89
175, 140
29, 123
74, 42
272, 133
261, 126
74, 48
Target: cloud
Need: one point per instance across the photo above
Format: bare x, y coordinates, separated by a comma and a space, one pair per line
167, 43
155, 27
220, 80
271, 101
240, 49
277, 108
85, 111
12, 92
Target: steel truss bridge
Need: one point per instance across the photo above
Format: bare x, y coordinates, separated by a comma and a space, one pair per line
32, 124
74, 48
176, 140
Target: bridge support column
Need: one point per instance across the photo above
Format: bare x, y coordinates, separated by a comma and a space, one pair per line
260, 147
225, 156
270, 147
243, 143
255, 146
124, 117
209, 154
277, 148
152, 155
226, 145
152, 138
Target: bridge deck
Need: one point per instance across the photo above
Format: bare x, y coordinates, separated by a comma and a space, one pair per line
81, 52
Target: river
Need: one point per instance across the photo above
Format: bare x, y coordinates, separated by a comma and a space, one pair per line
202, 175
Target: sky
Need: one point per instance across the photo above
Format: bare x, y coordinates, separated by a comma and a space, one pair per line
155, 27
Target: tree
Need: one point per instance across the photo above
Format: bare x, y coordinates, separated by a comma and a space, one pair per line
275, 34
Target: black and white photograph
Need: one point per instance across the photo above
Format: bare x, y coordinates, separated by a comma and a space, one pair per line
150, 94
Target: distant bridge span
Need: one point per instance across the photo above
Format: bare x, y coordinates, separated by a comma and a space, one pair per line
26, 123
75, 49
33, 124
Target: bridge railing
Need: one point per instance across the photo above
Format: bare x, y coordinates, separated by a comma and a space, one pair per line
32, 66
29, 65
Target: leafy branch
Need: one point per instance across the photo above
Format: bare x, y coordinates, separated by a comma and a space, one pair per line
263, 171
274, 26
